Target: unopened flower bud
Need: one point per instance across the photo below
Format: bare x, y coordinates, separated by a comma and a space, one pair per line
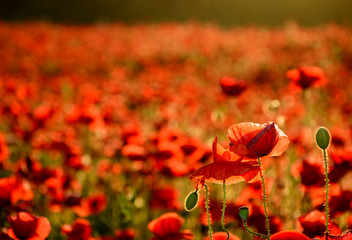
322, 138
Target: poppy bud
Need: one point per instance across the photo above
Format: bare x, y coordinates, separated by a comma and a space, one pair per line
191, 201
322, 138
244, 213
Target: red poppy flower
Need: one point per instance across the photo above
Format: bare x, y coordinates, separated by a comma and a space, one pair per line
289, 235
168, 226
13, 189
222, 236
307, 76
231, 87
313, 224
80, 230
24, 226
251, 140
226, 166
345, 236
125, 234
165, 198
94, 204
4, 150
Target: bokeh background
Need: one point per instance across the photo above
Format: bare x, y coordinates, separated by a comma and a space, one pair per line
227, 13
107, 107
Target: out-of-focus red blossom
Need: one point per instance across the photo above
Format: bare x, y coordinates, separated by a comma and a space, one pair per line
307, 76
165, 198
4, 235
311, 172
317, 194
340, 201
349, 221
342, 159
289, 235
93, 204
257, 217
232, 87
105, 167
339, 137
125, 234
222, 236
24, 226
226, 167
344, 236
134, 152
79, 230
251, 140
216, 211
4, 150
168, 226
253, 192
13, 189
313, 225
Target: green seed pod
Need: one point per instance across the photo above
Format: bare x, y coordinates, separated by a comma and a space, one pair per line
191, 201
244, 213
322, 138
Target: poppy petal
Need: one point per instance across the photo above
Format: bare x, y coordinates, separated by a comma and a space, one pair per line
289, 235
231, 172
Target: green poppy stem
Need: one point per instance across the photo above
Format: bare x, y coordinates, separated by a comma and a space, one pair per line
223, 211
326, 195
254, 233
208, 214
264, 198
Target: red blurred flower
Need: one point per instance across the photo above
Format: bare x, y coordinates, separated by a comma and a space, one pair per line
313, 224
165, 198
125, 234
289, 235
24, 226
232, 87
80, 230
4, 150
226, 167
251, 140
168, 226
222, 236
13, 189
307, 76
94, 204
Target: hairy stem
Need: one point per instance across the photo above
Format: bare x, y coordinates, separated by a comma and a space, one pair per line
254, 233
223, 211
208, 214
264, 198
326, 196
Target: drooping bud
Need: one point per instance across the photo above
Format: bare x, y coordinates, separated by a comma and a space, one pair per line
191, 201
322, 138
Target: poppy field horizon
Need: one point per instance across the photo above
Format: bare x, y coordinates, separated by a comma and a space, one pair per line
175, 131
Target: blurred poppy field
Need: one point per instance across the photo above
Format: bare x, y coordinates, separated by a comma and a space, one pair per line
102, 126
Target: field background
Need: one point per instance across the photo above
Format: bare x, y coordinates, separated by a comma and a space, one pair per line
108, 106
227, 13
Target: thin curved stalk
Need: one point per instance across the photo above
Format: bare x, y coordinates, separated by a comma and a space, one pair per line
326, 196
254, 233
264, 198
223, 211
210, 232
